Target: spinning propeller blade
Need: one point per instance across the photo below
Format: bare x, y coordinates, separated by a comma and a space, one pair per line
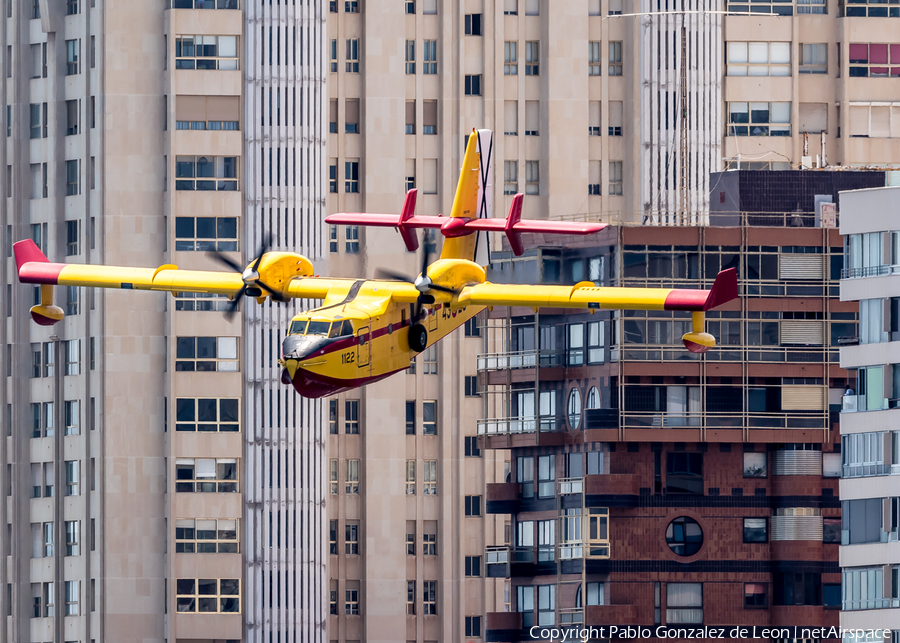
248, 283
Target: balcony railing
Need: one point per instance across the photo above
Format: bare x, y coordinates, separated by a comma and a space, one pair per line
868, 271
569, 486
650, 420
570, 616
520, 359
521, 424
853, 403
724, 353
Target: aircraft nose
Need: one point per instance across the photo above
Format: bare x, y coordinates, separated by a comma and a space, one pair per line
299, 347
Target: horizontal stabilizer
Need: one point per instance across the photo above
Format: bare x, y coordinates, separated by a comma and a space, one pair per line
452, 227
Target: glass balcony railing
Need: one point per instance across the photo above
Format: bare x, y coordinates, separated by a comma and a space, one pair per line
569, 486
520, 359
521, 424
650, 420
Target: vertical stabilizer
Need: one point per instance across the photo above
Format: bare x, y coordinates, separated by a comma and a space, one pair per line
473, 200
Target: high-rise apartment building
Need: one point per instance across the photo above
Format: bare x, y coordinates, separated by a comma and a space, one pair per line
870, 553
161, 484
603, 112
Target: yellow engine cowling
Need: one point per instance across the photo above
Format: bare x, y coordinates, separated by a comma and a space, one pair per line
277, 269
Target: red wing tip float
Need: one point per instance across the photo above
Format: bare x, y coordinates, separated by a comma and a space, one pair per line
366, 330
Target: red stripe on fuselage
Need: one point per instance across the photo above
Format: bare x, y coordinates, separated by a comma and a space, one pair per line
315, 385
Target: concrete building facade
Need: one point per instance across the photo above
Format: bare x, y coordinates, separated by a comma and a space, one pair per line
870, 552
161, 484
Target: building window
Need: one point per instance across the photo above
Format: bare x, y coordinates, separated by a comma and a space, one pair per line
352, 57
756, 596
332, 597
410, 537
201, 302
332, 417
769, 6
759, 119
410, 598
871, 9
208, 595
759, 59
411, 417
756, 530
814, 6
351, 239
206, 233
206, 475
332, 537
471, 386
510, 178
72, 413
73, 592
429, 597
532, 177
473, 24
72, 182
35, 111
471, 446
510, 7
684, 536
814, 58
429, 57
206, 354
206, 536
430, 360
351, 417
47, 546
207, 414
71, 300
473, 505
72, 537
615, 178
351, 177
206, 52
332, 55
72, 118
429, 128
429, 417
72, 47
351, 478
532, 117
755, 465
351, 6
429, 543
410, 7
594, 58
473, 565
42, 418
332, 188
615, 58
72, 477
351, 538
547, 475
510, 58
410, 477
333, 476
473, 626
351, 598
206, 173
473, 85
410, 56
429, 477
684, 603
801, 588
471, 328
203, 4
873, 60
684, 473
532, 58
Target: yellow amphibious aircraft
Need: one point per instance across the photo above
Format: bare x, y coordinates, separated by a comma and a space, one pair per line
368, 329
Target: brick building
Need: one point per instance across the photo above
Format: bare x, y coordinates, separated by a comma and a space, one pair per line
649, 486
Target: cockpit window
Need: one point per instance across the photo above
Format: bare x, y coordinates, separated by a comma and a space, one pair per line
341, 329
298, 327
335, 329
318, 328
347, 329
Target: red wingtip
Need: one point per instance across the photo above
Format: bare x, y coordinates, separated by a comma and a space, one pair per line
724, 289
27, 251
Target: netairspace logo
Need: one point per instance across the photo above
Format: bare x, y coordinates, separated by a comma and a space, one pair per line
703, 632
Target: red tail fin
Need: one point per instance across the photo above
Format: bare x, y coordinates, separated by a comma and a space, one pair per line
515, 214
724, 289
410, 238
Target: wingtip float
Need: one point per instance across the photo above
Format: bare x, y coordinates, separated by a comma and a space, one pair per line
366, 330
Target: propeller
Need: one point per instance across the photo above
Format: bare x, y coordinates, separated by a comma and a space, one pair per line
423, 282
253, 286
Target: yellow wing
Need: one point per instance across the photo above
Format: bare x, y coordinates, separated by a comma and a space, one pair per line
587, 295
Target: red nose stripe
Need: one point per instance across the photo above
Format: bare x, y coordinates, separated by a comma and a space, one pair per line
686, 300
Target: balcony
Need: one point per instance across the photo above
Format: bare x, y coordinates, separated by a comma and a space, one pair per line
502, 497
506, 561
522, 424
868, 271
618, 484
520, 359
503, 626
